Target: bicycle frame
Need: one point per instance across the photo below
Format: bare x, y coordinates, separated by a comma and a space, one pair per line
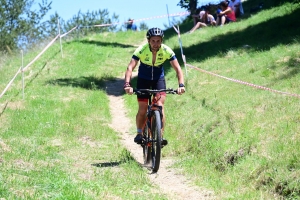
152, 128
152, 105
152, 140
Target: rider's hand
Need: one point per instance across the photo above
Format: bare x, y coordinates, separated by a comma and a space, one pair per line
181, 89
128, 90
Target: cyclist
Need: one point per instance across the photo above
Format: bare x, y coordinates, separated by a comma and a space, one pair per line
152, 56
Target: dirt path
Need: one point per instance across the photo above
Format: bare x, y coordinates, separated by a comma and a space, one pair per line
171, 183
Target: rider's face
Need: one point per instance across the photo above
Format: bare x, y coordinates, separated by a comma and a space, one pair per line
155, 42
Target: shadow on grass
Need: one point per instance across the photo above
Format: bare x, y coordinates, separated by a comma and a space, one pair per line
116, 164
89, 83
112, 86
280, 30
98, 43
107, 164
115, 87
125, 157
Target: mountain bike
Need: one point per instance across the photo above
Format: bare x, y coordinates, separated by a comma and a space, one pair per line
152, 137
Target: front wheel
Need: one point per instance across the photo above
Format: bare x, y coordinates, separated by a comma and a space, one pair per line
146, 146
156, 139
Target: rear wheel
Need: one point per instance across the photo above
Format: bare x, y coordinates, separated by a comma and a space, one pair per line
156, 140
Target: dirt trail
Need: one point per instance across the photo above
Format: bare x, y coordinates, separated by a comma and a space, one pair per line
171, 182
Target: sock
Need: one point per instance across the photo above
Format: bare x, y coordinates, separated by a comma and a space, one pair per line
139, 130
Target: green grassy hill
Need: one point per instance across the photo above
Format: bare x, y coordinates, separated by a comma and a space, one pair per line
242, 142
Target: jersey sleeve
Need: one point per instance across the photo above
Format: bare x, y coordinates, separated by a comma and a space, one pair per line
135, 57
137, 54
169, 53
173, 58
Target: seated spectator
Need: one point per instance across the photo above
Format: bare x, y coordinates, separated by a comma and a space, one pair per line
206, 19
225, 14
197, 17
237, 6
131, 25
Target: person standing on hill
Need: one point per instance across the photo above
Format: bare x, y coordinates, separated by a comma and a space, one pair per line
237, 6
152, 56
225, 14
131, 25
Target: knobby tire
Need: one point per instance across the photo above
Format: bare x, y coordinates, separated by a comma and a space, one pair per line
156, 138
146, 147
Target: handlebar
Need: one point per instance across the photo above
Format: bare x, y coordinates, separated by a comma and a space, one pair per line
151, 92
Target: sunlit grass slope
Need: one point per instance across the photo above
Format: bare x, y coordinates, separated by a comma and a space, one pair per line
56, 143
240, 141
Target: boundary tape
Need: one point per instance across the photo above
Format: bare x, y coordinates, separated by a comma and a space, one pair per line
148, 18
245, 83
10, 82
230, 79
25, 68
78, 27
63, 35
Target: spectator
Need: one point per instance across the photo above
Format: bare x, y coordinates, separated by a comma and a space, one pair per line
131, 25
225, 14
237, 6
198, 17
206, 19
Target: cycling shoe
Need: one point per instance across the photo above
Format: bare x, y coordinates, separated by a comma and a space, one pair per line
138, 139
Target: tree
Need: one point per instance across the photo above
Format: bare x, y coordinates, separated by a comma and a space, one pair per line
51, 25
190, 5
86, 22
20, 26
143, 26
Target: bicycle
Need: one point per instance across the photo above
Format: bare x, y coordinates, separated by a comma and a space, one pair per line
152, 138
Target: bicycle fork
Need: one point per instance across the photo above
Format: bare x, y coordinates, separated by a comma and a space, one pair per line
149, 112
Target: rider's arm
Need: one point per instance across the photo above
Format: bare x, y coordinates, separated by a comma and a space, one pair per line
225, 12
179, 73
132, 64
178, 70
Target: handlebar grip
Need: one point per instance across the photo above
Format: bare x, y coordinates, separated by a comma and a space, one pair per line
150, 91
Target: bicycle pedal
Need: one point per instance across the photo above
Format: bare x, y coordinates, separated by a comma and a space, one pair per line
164, 142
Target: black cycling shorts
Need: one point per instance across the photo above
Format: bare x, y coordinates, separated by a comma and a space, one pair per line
150, 84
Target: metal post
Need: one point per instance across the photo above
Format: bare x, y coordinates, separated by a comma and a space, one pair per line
168, 15
59, 38
22, 66
180, 43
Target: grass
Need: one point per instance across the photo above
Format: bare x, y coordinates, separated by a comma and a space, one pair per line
242, 142
56, 142
237, 139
